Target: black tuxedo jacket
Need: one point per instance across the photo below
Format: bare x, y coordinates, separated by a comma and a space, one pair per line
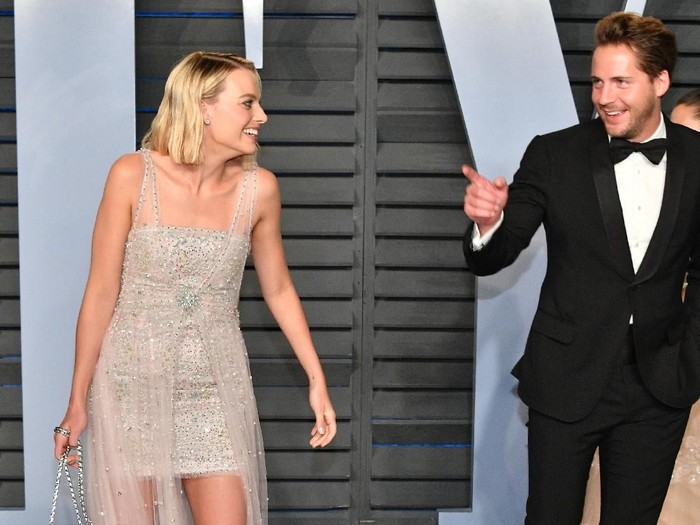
566, 182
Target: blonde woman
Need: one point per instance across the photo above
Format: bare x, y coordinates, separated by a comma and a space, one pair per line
161, 379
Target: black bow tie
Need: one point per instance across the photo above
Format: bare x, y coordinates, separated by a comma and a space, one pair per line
620, 149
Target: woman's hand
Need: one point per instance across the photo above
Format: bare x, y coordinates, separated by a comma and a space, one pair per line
74, 423
325, 428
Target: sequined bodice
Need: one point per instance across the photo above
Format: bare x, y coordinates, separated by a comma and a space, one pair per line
171, 269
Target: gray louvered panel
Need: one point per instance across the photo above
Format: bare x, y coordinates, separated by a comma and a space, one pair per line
320, 464
676, 10
406, 7
317, 252
8, 124
10, 403
315, 283
421, 158
434, 190
411, 253
222, 31
9, 250
576, 35
308, 159
432, 127
421, 432
404, 65
321, 191
290, 435
288, 372
296, 95
417, 405
10, 372
417, 95
7, 33
11, 433
11, 464
308, 494
7, 92
287, 403
594, 9
688, 71
582, 101
8, 189
8, 156
310, 32
9, 281
317, 221
11, 494
422, 284
309, 64
449, 315
319, 313
423, 374
309, 129
407, 462
7, 56
10, 345
412, 33
305, 517
9, 313
420, 494
422, 344
189, 32
272, 343
420, 222
8, 220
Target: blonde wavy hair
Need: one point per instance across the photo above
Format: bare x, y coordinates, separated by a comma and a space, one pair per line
177, 129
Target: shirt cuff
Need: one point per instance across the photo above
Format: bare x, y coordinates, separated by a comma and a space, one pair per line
478, 240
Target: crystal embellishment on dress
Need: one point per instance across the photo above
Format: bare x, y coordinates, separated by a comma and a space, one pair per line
187, 299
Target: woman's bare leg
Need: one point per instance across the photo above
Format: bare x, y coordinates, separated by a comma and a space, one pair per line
216, 500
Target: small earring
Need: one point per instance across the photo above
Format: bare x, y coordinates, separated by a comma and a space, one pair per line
207, 121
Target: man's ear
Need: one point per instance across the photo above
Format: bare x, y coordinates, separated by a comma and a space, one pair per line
662, 82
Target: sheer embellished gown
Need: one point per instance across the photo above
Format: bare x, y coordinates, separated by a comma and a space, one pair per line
682, 504
172, 395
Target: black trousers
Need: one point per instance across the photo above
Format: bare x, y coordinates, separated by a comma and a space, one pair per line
639, 438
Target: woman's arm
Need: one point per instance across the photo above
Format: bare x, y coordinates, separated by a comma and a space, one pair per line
114, 217
282, 300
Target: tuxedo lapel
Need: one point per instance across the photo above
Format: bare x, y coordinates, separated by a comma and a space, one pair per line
609, 200
675, 174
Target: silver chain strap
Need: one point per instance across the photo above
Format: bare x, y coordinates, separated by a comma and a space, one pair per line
79, 501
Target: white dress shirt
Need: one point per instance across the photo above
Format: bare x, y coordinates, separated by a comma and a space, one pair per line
640, 184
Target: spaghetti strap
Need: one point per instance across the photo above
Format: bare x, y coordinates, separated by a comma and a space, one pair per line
142, 194
239, 204
251, 207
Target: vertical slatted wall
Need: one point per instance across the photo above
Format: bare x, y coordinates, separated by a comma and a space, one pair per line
418, 329
11, 458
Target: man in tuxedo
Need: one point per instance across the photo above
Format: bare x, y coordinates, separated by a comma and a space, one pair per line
612, 358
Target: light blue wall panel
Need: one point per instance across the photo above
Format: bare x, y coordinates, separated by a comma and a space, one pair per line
75, 115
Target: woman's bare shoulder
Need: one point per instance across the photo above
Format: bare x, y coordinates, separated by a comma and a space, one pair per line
266, 182
125, 176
